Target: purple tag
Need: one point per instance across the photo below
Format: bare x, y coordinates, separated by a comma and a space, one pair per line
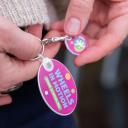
57, 87
76, 45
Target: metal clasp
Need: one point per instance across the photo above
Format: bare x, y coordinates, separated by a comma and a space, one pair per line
54, 39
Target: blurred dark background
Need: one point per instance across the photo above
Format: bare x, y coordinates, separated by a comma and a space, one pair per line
102, 90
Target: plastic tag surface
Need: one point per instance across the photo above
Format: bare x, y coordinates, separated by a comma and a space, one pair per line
76, 45
57, 87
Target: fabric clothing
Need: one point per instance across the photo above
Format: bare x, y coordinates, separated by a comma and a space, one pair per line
28, 110
28, 12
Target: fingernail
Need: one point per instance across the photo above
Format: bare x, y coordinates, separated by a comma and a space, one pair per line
73, 26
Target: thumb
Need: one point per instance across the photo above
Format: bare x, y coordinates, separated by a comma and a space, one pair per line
77, 16
21, 44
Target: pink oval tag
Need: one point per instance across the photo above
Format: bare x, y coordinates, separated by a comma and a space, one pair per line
76, 45
57, 87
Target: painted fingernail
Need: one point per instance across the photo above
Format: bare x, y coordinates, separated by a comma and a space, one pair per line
73, 26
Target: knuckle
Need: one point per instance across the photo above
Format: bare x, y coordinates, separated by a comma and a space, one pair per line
7, 83
6, 70
4, 84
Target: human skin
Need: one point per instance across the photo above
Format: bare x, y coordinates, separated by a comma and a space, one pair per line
22, 46
103, 22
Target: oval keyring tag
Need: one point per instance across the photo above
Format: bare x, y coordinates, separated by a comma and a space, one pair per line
76, 45
57, 87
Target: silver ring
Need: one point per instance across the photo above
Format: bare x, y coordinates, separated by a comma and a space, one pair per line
40, 55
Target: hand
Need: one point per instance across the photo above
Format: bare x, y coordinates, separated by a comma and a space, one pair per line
104, 22
16, 49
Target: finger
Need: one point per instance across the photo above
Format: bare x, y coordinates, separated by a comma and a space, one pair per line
117, 31
5, 99
35, 30
52, 49
17, 42
21, 70
101, 48
77, 16
97, 51
59, 26
92, 29
25, 70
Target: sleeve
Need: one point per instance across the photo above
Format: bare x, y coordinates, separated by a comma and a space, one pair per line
58, 8
28, 12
